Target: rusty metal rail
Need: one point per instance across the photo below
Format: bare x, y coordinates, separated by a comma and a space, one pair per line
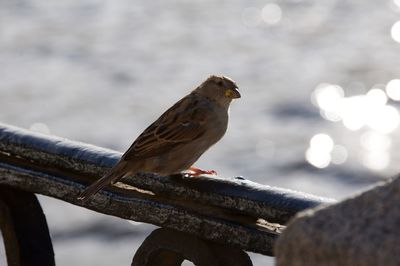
224, 214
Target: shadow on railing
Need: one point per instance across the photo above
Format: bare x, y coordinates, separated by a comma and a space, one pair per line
208, 220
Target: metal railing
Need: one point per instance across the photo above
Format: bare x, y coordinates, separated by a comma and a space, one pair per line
230, 215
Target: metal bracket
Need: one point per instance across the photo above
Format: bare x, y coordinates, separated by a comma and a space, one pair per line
166, 247
23, 225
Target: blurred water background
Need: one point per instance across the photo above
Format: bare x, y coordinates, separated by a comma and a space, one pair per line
319, 83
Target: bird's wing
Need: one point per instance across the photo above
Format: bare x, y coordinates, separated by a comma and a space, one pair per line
182, 123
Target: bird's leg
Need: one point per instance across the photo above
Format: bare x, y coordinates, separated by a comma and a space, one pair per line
194, 171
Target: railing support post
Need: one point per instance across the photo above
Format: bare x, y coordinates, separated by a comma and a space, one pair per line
166, 247
24, 229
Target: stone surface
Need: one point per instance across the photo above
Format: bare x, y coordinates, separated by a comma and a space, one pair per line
363, 230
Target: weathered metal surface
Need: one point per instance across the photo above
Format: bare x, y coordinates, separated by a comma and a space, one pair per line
241, 196
217, 209
143, 207
165, 247
55, 152
273, 204
24, 229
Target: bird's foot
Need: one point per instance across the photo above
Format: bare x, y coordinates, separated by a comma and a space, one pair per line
194, 171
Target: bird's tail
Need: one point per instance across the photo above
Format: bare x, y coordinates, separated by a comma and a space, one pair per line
117, 172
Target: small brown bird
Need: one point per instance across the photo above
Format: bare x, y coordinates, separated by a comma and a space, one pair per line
179, 136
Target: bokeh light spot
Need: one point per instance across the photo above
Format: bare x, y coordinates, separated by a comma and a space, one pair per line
321, 143
395, 31
377, 160
370, 109
331, 116
328, 97
319, 160
271, 13
384, 119
375, 141
376, 97
353, 112
319, 152
393, 89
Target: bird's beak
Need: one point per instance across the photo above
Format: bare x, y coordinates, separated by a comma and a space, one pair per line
235, 93
232, 93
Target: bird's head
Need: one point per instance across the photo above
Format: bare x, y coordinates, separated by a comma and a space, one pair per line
220, 89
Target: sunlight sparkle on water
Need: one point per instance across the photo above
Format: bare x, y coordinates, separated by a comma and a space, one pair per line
332, 116
393, 89
374, 141
357, 111
319, 160
353, 112
369, 110
376, 146
378, 160
319, 152
271, 13
339, 154
328, 97
395, 31
322, 143
376, 97
384, 119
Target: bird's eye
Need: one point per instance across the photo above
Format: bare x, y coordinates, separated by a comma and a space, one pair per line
220, 83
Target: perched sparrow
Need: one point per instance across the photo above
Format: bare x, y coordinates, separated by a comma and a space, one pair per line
179, 136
